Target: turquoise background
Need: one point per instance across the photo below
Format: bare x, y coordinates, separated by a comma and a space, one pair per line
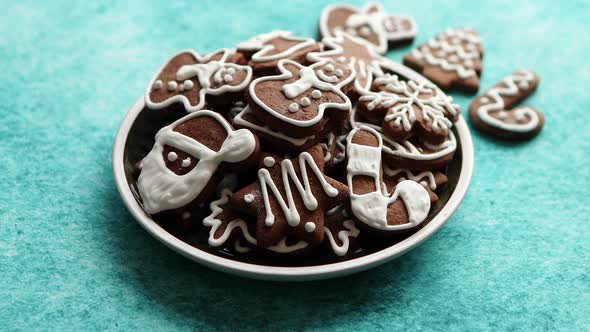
515, 256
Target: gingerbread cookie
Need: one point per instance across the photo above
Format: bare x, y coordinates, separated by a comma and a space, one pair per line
409, 108
405, 208
491, 112
196, 81
302, 99
264, 51
370, 23
355, 52
452, 60
414, 153
339, 229
186, 159
430, 180
290, 199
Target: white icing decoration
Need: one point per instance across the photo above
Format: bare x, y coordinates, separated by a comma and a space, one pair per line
161, 189
172, 156
240, 121
186, 162
330, 67
293, 107
305, 102
371, 208
239, 248
204, 70
283, 248
309, 227
509, 88
249, 198
316, 94
338, 73
399, 97
288, 172
458, 52
327, 146
259, 44
410, 176
181, 87
212, 221
158, 84
385, 27
228, 78
269, 161
344, 235
307, 79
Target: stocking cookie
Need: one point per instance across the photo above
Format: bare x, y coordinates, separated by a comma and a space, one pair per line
184, 163
408, 108
339, 229
302, 99
224, 222
290, 199
492, 113
430, 180
188, 78
265, 50
405, 208
370, 23
452, 60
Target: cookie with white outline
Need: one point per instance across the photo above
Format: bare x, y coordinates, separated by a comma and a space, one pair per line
452, 60
263, 52
197, 81
492, 111
225, 224
370, 23
188, 158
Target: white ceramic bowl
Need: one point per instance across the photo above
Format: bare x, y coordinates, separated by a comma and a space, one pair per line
461, 183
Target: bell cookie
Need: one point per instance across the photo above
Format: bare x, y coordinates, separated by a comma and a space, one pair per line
196, 81
369, 23
492, 111
187, 159
452, 60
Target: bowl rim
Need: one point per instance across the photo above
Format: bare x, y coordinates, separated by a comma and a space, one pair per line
280, 273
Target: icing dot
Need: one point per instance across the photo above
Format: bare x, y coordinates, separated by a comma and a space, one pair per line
365, 31
181, 87
186, 162
172, 156
186, 215
218, 79
172, 86
329, 67
231, 70
269, 161
309, 227
342, 59
249, 198
158, 84
228, 78
188, 84
502, 115
315, 94
338, 73
305, 101
293, 107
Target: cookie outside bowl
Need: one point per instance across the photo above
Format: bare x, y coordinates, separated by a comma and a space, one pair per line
137, 125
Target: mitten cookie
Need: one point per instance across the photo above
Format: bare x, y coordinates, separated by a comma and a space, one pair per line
290, 199
301, 99
452, 60
265, 50
196, 81
187, 159
409, 108
491, 112
370, 23
405, 208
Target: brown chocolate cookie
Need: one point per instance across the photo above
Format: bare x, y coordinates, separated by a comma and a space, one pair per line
491, 112
196, 81
370, 23
430, 180
187, 159
452, 60
264, 51
290, 199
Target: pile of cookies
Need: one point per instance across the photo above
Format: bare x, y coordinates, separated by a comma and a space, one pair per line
290, 146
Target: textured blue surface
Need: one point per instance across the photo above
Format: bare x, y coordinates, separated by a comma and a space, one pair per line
515, 255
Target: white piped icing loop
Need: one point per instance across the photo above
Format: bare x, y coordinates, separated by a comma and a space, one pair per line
161, 189
288, 173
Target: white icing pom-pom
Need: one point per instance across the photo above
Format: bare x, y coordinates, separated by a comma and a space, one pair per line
338, 73
329, 67
315, 94
188, 84
305, 101
172, 156
309, 227
269, 161
172, 85
293, 107
249, 198
228, 78
158, 84
186, 162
